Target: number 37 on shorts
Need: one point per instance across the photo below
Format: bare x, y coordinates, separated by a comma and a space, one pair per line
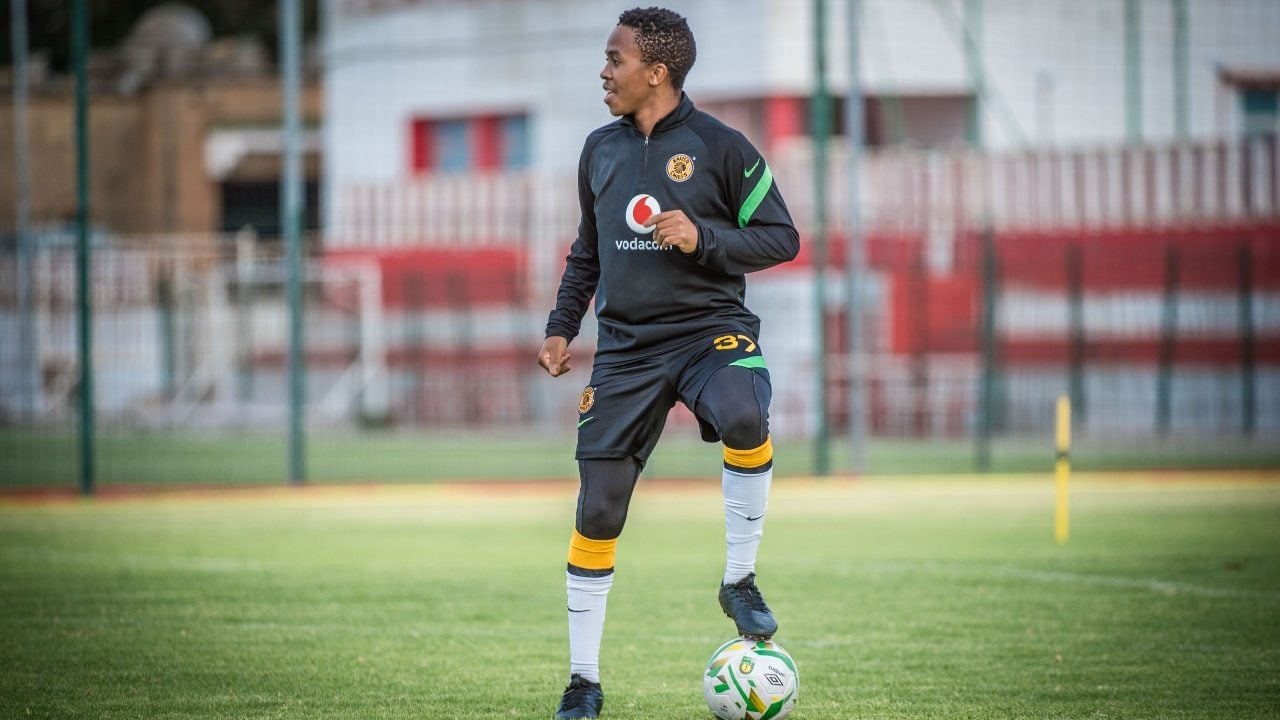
738, 350
733, 342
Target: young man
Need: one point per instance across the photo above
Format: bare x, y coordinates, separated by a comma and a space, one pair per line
676, 209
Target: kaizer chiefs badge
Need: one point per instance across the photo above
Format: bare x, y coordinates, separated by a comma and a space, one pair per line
680, 167
587, 399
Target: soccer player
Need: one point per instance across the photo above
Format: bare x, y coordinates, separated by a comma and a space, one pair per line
676, 209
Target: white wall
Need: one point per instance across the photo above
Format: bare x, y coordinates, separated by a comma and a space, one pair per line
1055, 72
1077, 49
540, 56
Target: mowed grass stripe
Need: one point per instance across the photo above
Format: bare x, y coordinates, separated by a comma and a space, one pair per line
899, 598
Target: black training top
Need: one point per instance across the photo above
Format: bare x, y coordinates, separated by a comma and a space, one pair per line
650, 300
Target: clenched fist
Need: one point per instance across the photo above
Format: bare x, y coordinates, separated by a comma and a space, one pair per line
674, 229
554, 356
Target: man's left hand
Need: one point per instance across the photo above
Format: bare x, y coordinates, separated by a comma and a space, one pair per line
674, 229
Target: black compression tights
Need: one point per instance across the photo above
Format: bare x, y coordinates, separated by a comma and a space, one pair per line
735, 401
603, 496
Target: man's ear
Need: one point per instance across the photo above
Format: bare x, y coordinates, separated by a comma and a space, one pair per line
657, 73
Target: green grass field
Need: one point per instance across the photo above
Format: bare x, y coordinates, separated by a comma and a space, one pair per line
898, 597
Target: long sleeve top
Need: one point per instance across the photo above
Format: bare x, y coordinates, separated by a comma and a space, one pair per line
648, 299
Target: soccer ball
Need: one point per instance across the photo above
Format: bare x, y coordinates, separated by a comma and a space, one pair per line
750, 680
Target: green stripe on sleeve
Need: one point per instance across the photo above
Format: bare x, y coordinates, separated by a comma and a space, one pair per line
754, 361
756, 197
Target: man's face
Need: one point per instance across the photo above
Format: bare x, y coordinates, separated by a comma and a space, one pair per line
625, 76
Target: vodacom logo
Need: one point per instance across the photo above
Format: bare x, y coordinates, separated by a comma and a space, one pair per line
641, 208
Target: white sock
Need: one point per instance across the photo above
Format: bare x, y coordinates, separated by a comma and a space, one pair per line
745, 499
587, 599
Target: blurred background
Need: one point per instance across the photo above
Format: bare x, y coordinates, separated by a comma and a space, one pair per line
1000, 202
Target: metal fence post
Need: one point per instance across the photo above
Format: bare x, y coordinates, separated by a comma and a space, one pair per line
291, 208
821, 121
1076, 341
168, 337
1168, 342
987, 343
1248, 343
84, 259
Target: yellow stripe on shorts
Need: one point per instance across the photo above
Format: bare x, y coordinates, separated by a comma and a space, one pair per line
591, 554
749, 458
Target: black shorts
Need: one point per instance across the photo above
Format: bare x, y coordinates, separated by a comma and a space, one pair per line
622, 411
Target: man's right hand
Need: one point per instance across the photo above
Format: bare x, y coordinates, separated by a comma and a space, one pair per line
554, 356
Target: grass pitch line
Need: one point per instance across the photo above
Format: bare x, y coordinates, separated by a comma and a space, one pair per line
1167, 588
138, 561
1155, 585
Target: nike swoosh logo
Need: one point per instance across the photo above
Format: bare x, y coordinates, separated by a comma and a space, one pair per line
757, 517
747, 173
584, 421
577, 611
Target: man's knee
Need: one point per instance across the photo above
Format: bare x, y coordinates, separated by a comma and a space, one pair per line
738, 401
745, 427
604, 496
600, 519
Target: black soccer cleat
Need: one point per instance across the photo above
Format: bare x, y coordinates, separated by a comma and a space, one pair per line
582, 699
742, 602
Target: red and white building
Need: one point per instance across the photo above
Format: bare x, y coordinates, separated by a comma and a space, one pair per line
1121, 129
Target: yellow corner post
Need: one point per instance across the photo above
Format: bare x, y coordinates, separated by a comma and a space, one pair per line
1062, 473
